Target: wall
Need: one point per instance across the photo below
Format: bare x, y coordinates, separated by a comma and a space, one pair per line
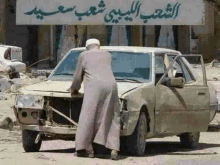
74, 36
15, 35
2, 21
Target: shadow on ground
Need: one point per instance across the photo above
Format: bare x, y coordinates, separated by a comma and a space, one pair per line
100, 152
152, 149
175, 148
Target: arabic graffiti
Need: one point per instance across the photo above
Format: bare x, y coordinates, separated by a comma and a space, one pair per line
114, 16
171, 11
40, 14
134, 9
92, 11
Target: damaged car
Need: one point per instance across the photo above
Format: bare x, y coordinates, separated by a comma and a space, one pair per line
159, 94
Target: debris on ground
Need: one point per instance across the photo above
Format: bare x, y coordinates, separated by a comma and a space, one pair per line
7, 123
41, 72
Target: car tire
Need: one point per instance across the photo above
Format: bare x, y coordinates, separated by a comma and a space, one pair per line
212, 115
190, 139
28, 140
135, 143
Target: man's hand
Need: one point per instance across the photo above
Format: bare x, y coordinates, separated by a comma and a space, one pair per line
74, 92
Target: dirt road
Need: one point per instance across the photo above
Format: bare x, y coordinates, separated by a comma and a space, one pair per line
159, 151
57, 152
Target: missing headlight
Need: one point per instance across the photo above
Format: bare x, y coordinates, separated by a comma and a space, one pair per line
29, 101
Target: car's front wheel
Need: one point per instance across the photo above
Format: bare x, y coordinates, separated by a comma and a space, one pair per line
135, 143
28, 140
190, 139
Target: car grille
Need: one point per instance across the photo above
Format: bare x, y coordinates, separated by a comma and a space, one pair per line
70, 108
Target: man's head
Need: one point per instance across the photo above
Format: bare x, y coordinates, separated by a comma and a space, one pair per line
92, 43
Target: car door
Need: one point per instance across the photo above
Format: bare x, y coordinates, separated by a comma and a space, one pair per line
183, 109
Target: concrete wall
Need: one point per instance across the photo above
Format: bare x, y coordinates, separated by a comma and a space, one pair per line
137, 35
217, 36
207, 39
15, 35
43, 45
98, 32
184, 40
2, 22
74, 36
149, 36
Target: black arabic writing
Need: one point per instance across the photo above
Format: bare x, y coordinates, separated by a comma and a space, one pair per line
92, 11
171, 11
40, 14
135, 8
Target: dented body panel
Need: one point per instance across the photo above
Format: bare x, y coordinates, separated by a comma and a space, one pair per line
183, 109
168, 110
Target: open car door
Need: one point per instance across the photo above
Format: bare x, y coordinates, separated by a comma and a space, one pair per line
182, 101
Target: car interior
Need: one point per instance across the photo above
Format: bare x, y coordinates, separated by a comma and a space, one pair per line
162, 62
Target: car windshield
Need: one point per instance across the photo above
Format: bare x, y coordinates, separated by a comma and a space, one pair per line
126, 66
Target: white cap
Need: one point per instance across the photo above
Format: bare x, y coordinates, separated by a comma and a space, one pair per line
92, 41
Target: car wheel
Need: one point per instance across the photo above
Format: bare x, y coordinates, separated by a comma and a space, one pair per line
190, 139
212, 115
135, 143
28, 140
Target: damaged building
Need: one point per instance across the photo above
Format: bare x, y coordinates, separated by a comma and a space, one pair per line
49, 40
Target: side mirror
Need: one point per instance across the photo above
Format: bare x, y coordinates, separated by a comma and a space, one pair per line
174, 82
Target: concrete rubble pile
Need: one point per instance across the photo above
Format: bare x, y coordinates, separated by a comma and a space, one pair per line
8, 88
13, 75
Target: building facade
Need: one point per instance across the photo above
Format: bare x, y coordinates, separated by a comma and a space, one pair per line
54, 41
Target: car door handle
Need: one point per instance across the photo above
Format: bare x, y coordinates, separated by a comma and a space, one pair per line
201, 93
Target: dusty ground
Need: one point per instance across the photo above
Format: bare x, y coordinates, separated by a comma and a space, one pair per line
57, 152
158, 151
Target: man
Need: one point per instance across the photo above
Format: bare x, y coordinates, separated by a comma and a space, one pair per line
99, 121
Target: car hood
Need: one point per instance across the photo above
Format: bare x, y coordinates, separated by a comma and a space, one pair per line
59, 88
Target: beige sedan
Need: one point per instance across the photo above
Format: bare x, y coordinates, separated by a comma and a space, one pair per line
159, 94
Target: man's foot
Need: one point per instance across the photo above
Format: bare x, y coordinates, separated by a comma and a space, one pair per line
114, 155
84, 153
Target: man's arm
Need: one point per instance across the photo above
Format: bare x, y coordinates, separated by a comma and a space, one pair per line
77, 76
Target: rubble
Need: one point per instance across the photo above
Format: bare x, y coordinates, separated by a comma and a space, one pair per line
7, 123
41, 72
5, 84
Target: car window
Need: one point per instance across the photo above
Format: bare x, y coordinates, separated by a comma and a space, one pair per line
187, 75
176, 64
130, 65
68, 65
160, 68
182, 71
125, 65
159, 65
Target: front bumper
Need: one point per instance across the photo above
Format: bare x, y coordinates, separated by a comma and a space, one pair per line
49, 129
54, 129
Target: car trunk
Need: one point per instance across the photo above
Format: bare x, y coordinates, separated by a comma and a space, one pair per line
70, 108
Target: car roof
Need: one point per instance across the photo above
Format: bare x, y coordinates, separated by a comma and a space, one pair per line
132, 49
